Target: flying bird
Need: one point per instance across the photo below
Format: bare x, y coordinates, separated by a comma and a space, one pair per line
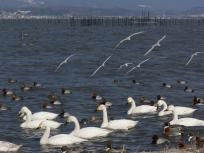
64, 62
126, 65
192, 56
128, 38
102, 65
139, 65
155, 45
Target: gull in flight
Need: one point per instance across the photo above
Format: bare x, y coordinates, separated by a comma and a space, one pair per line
192, 56
64, 62
155, 45
126, 65
128, 38
102, 65
139, 65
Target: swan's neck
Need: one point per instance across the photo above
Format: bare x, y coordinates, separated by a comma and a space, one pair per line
28, 115
164, 107
133, 106
45, 137
105, 118
76, 123
175, 116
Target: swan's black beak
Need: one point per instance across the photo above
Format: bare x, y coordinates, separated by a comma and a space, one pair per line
19, 114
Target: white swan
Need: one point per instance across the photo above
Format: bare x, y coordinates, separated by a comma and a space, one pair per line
9, 147
38, 115
142, 109
184, 121
58, 140
121, 124
32, 124
180, 109
87, 132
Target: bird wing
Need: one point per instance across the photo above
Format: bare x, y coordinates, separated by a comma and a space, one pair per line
59, 66
143, 62
106, 60
153, 46
69, 57
121, 42
190, 59
96, 70
132, 69
137, 33
161, 39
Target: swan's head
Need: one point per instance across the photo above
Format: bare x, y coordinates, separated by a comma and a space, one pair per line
160, 103
171, 108
71, 119
130, 100
101, 107
22, 112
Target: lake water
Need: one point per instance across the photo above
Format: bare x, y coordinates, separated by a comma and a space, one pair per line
36, 56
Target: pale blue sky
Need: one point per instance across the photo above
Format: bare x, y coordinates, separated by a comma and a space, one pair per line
129, 4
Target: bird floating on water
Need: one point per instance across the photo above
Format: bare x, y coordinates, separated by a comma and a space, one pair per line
64, 62
139, 65
192, 56
128, 38
155, 45
102, 65
126, 65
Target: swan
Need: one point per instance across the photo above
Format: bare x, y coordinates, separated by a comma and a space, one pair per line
38, 115
180, 109
184, 121
9, 147
143, 109
87, 132
57, 140
121, 124
31, 124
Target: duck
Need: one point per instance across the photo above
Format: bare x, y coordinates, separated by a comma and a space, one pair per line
110, 149
187, 122
36, 84
38, 115
96, 97
159, 140
180, 109
25, 87
142, 109
3, 107
55, 101
11, 80
16, 98
188, 89
182, 82
120, 124
166, 85
198, 101
34, 124
57, 140
46, 105
7, 92
199, 141
9, 147
65, 91
87, 132
170, 130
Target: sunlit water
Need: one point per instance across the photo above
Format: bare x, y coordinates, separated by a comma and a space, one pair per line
35, 59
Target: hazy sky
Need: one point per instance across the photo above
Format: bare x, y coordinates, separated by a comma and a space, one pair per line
129, 4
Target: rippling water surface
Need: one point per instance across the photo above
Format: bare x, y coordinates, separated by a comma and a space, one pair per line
35, 59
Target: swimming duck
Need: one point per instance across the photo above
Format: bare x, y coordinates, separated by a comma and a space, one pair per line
7, 92
57, 140
25, 87
170, 130
159, 140
188, 89
36, 84
166, 85
184, 121
3, 107
46, 105
55, 102
142, 109
87, 132
9, 147
198, 101
96, 97
199, 141
110, 149
11, 81
121, 124
16, 98
181, 82
66, 91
